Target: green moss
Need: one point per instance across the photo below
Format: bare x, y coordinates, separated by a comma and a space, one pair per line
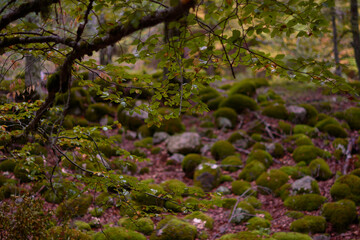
258, 145
174, 187
301, 140
144, 131
252, 171
256, 223
272, 180
207, 176
261, 156
230, 161
284, 191
222, 149
239, 103
97, 111
214, 104
194, 191
226, 178
144, 170
104, 200
257, 137
8, 165
305, 202
340, 214
305, 129
189, 164
228, 113
327, 121
276, 111
352, 117
307, 153
145, 143
291, 236
66, 233
171, 126
311, 114
118, 233
243, 212
335, 131
256, 203
295, 172
239, 187
284, 127
242, 236
209, 221
320, 169
173, 228
229, 203
143, 198
244, 87
207, 94
309, 224
82, 226
8, 190
142, 225
294, 214
238, 135
347, 186
76, 207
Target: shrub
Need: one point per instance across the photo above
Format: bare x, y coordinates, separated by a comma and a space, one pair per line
340, 214
174, 228
261, 156
276, 111
222, 149
271, 181
229, 161
239, 103
320, 169
305, 202
309, 224
228, 113
118, 233
252, 171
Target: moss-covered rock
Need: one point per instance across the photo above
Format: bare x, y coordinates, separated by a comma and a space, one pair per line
326, 121
58, 232
305, 202
320, 169
347, 186
8, 165
303, 185
231, 163
190, 162
207, 176
252, 171
82, 226
296, 172
284, 127
311, 114
207, 94
174, 187
243, 212
309, 224
256, 223
269, 182
239, 103
171, 126
214, 104
246, 235
276, 111
305, 129
294, 214
97, 111
275, 149
239, 138
79, 100
226, 112
222, 149
8, 190
291, 236
256, 203
244, 87
335, 131
172, 228
145, 143
145, 199
340, 214
261, 156
76, 207
239, 187
301, 140
352, 117
143, 225
118, 233
209, 221
307, 153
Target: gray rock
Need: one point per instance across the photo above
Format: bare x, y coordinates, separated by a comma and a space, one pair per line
321, 237
223, 123
298, 113
159, 137
130, 135
177, 157
303, 185
240, 215
223, 190
188, 142
207, 176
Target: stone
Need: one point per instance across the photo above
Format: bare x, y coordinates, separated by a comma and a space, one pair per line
224, 123
304, 185
177, 157
298, 114
159, 137
223, 190
188, 142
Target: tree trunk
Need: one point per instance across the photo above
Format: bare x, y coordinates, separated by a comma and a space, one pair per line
336, 51
355, 31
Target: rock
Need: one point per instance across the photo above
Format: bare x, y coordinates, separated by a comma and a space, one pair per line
297, 114
188, 142
159, 137
207, 176
177, 157
306, 184
321, 237
223, 190
224, 123
130, 135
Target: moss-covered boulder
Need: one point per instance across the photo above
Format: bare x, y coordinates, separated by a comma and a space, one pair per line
208, 93
59, 232
252, 171
82, 226
118, 233
291, 236
231, 163
174, 187
326, 121
143, 225
297, 171
239, 187
209, 221
352, 117
239, 138
76, 207
222, 149
305, 129
261, 156
243, 212
79, 100
227, 113
320, 169
97, 111
172, 228
335, 130
256, 223
309, 224
207, 176
149, 200
239, 103
284, 127
190, 162
294, 214
306, 184
244, 87
256, 203
269, 182
305, 202
340, 214
8, 165
8, 190
171, 126
275, 149
276, 111
307, 153
311, 114
346, 187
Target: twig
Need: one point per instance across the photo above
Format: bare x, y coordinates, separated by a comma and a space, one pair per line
267, 126
348, 155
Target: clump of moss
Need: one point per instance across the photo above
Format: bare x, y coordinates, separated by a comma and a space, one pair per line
231, 163
189, 164
142, 225
214, 104
143, 198
256, 203
76, 207
291, 236
115, 233
305, 202
145, 143
207, 176
335, 131
294, 214
82, 226
271, 181
309, 224
276, 111
7, 190
284, 127
226, 112
347, 186
305, 129
296, 172
8, 165
244, 87
261, 156
239, 187
209, 221
352, 117
246, 235
256, 223
174, 187
222, 149
326, 121
301, 140
174, 228
229, 203
207, 94
243, 212
171, 126
252, 171
239, 103
240, 138
311, 114
340, 214
320, 169
67, 233
306, 153
97, 111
